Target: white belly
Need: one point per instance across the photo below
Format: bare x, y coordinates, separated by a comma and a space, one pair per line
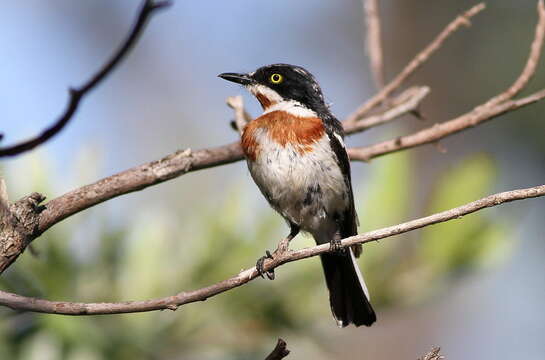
306, 189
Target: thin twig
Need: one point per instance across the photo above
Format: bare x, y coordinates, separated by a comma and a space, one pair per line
420, 58
280, 351
18, 302
4, 200
405, 103
531, 63
434, 354
374, 42
241, 116
77, 94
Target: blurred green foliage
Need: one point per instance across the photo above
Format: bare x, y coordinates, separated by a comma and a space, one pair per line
154, 255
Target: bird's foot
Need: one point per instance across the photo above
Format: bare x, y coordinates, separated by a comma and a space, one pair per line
335, 246
260, 263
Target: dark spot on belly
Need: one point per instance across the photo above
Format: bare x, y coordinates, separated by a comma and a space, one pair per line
314, 193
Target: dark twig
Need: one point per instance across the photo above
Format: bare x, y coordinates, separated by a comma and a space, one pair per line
77, 94
279, 352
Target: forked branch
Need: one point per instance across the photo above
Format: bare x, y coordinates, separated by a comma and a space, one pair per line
494, 107
420, 59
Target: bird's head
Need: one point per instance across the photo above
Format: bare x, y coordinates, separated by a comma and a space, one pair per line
273, 84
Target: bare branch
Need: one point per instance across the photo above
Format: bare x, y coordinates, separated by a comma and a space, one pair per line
4, 200
77, 94
279, 352
18, 302
433, 355
405, 103
494, 107
241, 116
135, 179
531, 63
421, 58
374, 42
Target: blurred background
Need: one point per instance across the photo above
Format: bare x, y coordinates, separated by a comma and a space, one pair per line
473, 286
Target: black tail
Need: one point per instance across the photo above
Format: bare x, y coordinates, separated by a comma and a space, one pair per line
347, 291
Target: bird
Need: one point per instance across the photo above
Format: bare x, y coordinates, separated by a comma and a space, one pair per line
296, 155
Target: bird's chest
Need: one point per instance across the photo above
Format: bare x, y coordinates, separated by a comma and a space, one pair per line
296, 170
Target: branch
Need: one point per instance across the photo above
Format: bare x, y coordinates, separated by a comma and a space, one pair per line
420, 58
18, 302
374, 42
434, 354
135, 179
77, 94
405, 103
494, 107
531, 63
279, 352
241, 116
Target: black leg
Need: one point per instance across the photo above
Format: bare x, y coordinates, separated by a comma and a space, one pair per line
335, 245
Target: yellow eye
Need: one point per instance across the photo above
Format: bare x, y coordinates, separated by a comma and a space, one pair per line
276, 78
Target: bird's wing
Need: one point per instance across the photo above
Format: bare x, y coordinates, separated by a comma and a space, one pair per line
349, 221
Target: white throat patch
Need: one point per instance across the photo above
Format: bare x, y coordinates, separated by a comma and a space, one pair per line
278, 103
267, 92
292, 107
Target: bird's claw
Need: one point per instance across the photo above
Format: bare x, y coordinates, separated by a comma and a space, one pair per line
259, 266
335, 246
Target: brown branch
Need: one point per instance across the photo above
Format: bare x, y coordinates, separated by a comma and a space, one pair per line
374, 42
531, 63
241, 116
434, 354
135, 179
77, 94
18, 302
494, 107
4, 200
279, 352
405, 103
420, 58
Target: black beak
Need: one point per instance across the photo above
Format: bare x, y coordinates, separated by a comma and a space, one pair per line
242, 79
